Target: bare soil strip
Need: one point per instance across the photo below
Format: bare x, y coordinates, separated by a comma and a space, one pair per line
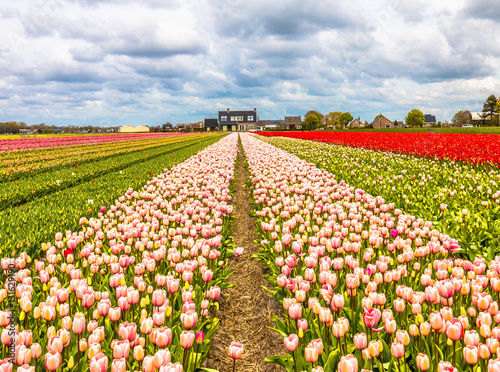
246, 310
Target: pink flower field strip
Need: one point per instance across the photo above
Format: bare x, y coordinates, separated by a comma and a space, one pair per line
55, 142
132, 288
362, 283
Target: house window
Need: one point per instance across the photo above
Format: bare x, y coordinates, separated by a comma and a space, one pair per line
223, 118
388, 125
251, 126
250, 118
242, 126
236, 118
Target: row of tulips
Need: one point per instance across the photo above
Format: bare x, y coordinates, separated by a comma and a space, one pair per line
19, 165
467, 147
27, 226
134, 288
31, 144
462, 200
364, 285
20, 191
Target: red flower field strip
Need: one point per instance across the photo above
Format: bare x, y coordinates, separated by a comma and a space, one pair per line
472, 148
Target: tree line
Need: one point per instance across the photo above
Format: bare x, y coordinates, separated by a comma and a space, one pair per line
415, 118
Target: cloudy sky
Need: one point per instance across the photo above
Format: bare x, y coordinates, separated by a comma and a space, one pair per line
110, 62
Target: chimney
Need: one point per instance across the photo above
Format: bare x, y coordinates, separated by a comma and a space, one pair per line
228, 110
255, 110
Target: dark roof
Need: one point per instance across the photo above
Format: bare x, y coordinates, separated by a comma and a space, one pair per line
293, 119
237, 113
430, 118
211, 123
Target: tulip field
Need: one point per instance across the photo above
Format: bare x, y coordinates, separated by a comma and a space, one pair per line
461, 199
115, 253
42, 199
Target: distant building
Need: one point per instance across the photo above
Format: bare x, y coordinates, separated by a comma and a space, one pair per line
293, 122
210, 125
232, 121
290, 122
356, 123
430, 120
131, 129
270, 124
382, 122
477, 118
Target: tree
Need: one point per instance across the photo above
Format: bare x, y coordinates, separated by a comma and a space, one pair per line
462, 117
415, 118
334, 119
318, 114
345, 119
378, 116
311, 122
490, 108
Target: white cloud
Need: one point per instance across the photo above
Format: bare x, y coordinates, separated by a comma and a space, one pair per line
127, 61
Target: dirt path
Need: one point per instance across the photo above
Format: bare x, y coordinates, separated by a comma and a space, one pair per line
246, 310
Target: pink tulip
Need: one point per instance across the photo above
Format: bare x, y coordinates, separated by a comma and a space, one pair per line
148, 364
78, 324
295, 311
235, 350
397, 350
158, 319
161, 358
114, 314
127, 331
99, 363
348, 363
36, 351
163, 337
52, 360
371, 317
189, 319
55, 344
423, 362
471, 355
291, 342
171, 367
23, 368
187, 339
121, 349
311, 354
119, 365
360, 341
454, 329
159, 297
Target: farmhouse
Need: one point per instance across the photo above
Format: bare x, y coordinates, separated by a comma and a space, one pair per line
382, 122
477, 118
430, 120
356, 123
232, 121
131, 129
293, 122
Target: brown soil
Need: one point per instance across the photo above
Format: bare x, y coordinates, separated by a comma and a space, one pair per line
246, 310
